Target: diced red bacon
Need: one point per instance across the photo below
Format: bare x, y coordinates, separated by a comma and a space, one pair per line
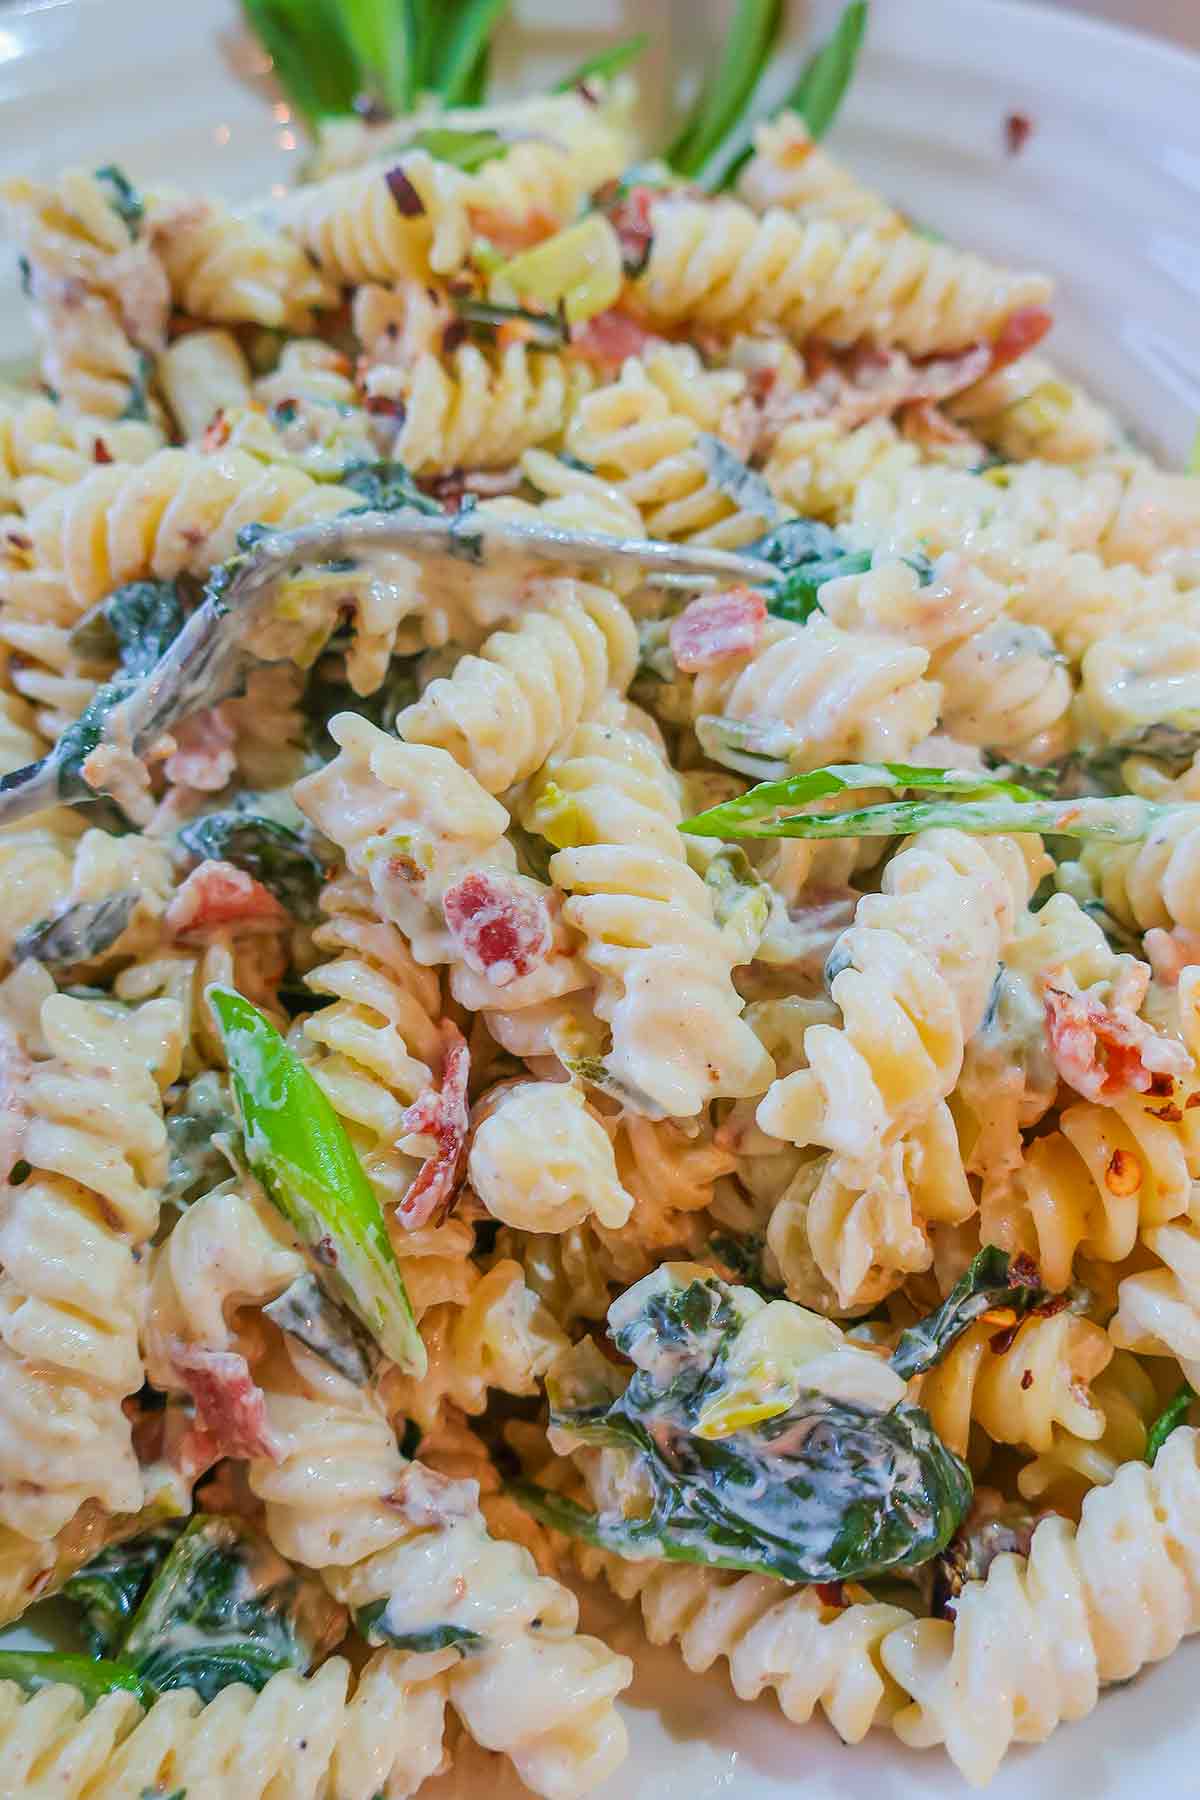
631, 217
442, 1116
431, 1501
203, 757
500, 924
610, 337
1103, 1049
1019, 333
14, 1073
510, 232
717, 626
231, 1411
218, 897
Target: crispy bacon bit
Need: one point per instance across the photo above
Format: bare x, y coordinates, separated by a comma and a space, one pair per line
1019, 333
231, 1410
430, 1500
610, 337
630, 215
100, 451
408, 202
716, 626
1123, 1176
500, 923
204, 756
14, 1073
1102, 1048
1018, 129
1055, 1304
1172, 1114
219, 897
508, 233
442, 1119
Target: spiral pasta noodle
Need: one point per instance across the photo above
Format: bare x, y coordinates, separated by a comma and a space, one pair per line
646, 921
226, 268
539, 1160
42, 447
718, 264
503, 712
341, 1499
480, 411
299, 1738
1031, 1646
1019, 1386
789, 170
68, 1238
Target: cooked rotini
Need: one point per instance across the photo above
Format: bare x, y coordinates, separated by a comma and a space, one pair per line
717, 264
657, 436
1031, 1646
813, 693
299, 1738
662, 967
1019, 1385
503, 712
224, 267
789, 170
539, 1160
425, 1163
340, 1498
70, 1236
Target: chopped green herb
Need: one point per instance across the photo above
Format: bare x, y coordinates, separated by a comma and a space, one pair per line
137, 407
818, 95
546, 331
124, 198
1172, 1416
136, 624
371, 1624
729, 86
82, 932
387, 487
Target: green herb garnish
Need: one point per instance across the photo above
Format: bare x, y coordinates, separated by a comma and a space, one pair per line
1172, 1416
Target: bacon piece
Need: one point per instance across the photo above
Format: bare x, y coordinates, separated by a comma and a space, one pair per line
1019, 333
203, 757
631, 218
219, 897
500, 923
609, 337
443, 1116
1102, 1048
507, 232
715, 626
231, 1411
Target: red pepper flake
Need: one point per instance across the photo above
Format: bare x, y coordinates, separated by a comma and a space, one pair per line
1018, 129
500, 923
1001, 1342
444, 1116
18, 540
1048, 1308
1171, 1113
1027, 1381
385, 406
1023, 1272
830, 1593
1161, 1085
453, 336
100, 451
631, 216
408, 201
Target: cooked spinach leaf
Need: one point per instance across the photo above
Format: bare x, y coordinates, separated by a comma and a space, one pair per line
371, 1624
111, 1587
386, 487
994, 1279
204, 1113
272, 853
137, 623
819, 1490
83, 931
225, 1607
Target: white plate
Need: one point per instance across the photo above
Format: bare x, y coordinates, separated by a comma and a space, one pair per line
1106, 195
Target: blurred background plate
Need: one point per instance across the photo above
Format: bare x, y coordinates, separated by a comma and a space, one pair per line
1105, 195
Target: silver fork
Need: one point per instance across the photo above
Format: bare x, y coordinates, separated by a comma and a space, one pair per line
207, 661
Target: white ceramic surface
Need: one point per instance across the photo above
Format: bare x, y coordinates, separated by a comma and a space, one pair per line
1106, 195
